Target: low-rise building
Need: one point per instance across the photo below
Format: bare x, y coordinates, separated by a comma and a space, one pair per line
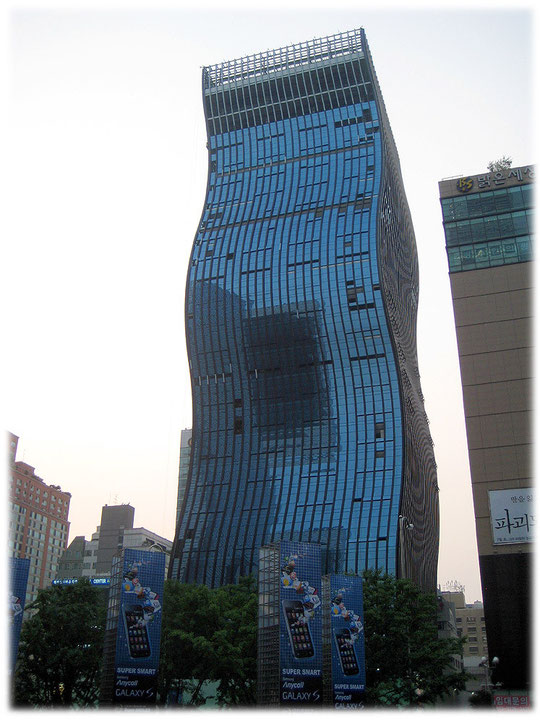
93, 558
471, 625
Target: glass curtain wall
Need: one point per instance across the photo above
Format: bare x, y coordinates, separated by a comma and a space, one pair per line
300, 358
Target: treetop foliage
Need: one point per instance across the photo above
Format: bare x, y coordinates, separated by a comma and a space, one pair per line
502, 163
406, 662
61, 647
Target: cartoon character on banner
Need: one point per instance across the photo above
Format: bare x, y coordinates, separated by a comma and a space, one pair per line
15, 607
150, 600
353, 621
309, 596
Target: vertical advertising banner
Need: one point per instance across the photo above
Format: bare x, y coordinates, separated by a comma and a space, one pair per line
347, 641
300, 624
19, 568
139, 627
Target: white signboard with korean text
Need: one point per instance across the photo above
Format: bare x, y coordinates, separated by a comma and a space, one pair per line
512, 515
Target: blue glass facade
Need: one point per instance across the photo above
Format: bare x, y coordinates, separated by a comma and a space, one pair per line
308, 420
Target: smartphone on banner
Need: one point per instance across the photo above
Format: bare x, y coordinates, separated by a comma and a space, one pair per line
136, 633
346, 651
299, 633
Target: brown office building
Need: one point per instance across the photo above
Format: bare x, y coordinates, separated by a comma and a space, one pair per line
488, 227
38, 522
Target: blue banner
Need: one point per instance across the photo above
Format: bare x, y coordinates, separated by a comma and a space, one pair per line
139, 627
347, 641
300, 624
19, 568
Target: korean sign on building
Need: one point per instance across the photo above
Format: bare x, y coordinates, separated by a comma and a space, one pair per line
504, 178
347, 641
139, 627
495, 180
512, 515
300, 624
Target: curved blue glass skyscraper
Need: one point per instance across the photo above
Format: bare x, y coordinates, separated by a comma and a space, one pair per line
301, 301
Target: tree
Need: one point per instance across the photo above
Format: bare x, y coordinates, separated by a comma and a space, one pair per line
61, 647
188, 624
237, 639
209, 635
406, 663
501, 164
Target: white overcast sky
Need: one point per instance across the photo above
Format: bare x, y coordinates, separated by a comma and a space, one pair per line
105, 182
